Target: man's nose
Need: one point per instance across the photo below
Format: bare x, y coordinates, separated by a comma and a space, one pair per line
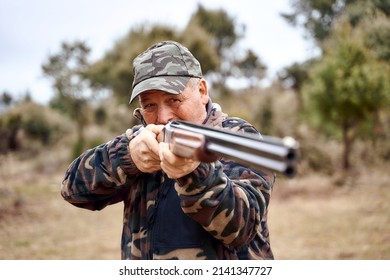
164, 115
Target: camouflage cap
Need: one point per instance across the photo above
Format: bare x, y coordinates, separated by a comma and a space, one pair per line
165, 66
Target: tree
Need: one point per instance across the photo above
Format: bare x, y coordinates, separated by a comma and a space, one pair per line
251, 67
224, 33
347, 87
6, 101
318, 17
295, 76
114, 70
211, 35
6, 98
67, 71
375, 28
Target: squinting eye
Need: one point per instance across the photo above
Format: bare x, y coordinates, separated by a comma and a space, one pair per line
149, 107
174, 100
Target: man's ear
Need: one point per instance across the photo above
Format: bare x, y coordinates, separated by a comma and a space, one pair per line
202, 87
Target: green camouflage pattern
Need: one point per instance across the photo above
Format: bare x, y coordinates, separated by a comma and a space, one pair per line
165, 66
220, 209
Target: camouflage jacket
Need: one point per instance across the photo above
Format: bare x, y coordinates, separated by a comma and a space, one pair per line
219, 211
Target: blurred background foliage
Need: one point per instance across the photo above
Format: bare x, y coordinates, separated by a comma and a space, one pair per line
336, 104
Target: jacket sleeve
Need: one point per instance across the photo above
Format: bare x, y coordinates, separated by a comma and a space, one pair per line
229, 200
100, 175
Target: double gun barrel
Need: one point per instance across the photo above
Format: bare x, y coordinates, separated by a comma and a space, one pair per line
207, 144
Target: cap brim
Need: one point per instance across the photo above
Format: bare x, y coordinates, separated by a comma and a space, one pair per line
170, 84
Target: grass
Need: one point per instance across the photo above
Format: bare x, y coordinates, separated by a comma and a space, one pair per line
44, 226
311, 217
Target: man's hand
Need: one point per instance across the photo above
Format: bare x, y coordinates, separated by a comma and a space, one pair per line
144, 149
175, 166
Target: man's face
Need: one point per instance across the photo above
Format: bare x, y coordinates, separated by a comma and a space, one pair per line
159, 107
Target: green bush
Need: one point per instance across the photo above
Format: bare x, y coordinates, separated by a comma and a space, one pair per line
27, 124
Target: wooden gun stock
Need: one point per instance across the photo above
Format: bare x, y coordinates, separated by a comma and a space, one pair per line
206, 144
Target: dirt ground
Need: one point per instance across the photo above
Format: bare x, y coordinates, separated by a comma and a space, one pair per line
312, 217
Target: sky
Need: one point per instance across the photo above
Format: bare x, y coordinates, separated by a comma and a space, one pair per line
30, 31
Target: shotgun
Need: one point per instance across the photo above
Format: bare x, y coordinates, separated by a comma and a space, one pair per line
207, 144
